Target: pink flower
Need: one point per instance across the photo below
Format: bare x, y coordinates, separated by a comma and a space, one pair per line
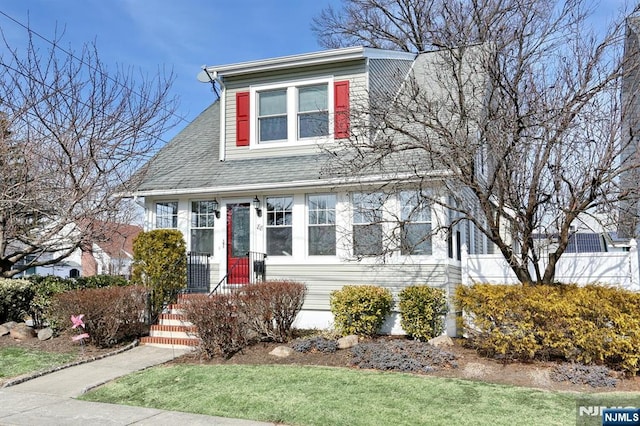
77, 321
80, 337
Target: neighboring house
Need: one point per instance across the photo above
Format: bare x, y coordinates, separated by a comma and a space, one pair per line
109, 256
248, 177
113, 256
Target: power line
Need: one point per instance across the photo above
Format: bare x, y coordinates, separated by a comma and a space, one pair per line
91, 67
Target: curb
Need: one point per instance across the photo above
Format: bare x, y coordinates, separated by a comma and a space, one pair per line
37, 374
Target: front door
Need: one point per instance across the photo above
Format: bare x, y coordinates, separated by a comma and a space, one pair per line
238, 231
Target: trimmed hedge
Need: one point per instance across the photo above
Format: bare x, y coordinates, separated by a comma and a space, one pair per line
422, 311
15, 299
590, 325
360, 309
111, 314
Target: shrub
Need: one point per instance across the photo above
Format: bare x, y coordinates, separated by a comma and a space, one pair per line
588, 325
111, 314
360, 309
45, 289
221, 323
272, 307
422, 311
160, 264
101, 281
15, 299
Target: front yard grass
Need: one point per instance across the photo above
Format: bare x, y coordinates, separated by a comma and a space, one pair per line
300, 395
16, 361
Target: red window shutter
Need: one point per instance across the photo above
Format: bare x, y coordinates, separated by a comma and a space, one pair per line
341, 109
242, 119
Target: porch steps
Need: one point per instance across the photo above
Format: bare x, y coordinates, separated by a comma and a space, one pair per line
172, 330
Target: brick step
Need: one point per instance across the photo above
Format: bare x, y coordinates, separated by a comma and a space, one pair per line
170, 342
172, 331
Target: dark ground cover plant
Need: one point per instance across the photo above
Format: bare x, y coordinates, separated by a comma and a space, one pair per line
317, 344
402, 355
593, 375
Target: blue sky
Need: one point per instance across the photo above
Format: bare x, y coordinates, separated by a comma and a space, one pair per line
182, 35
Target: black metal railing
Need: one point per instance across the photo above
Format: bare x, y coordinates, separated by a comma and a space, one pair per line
245, 270
198, 272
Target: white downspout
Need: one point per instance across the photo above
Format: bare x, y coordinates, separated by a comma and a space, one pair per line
223, 115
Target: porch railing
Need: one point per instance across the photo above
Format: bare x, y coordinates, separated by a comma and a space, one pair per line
249, 269
198, 272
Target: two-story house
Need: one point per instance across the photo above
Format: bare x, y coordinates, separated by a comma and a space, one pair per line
251, 176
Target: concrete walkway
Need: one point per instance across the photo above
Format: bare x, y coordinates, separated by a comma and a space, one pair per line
49, 399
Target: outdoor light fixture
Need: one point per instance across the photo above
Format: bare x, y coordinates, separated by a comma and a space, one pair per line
215, 206
256, 205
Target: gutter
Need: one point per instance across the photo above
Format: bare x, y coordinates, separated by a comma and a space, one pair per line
305, 184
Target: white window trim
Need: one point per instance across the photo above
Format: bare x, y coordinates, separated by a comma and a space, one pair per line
292, 113
191, 227
308, 225
155, 214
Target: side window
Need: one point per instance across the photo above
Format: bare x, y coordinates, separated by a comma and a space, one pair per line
279, 229
166, 214
202, 223
416, 224
322, 224
367, 226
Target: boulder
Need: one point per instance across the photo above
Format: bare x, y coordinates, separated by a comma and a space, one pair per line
439, 341
347, 342
45, 334
3, 330
9, 325
282, 351
22, 332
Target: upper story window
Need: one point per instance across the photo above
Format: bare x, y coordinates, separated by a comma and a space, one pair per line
292, 112
166, 214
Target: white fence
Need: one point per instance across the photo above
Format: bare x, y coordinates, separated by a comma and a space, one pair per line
618, 269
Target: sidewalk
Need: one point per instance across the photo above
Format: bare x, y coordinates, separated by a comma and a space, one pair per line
49, 399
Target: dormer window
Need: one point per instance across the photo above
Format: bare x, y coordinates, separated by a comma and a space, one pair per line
301, 111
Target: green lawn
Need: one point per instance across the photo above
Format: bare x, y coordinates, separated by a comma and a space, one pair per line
296, 395
17, 361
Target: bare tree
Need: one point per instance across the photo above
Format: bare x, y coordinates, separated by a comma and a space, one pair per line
512, 124
72, 134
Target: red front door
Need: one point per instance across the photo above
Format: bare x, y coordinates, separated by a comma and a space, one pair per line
238, 231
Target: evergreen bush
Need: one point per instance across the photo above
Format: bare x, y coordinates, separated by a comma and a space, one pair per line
360, 309
422, 311
160, 264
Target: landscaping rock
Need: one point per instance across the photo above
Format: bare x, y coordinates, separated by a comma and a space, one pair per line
22, 332
45, 334
3, 330
439, 341
282, 351
9, 325
347, 342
